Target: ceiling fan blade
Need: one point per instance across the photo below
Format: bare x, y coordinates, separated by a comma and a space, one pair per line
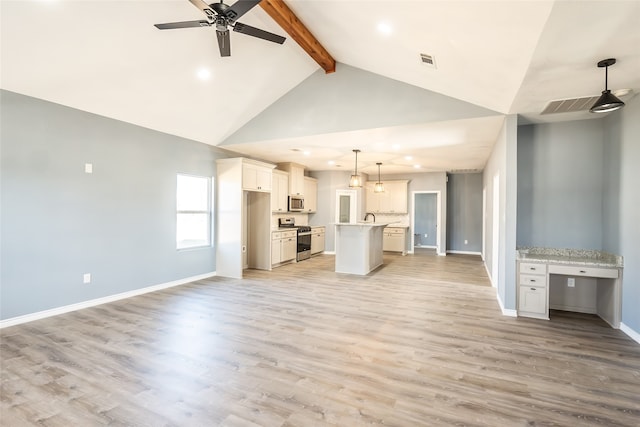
257, 32
204, 7
184, 24
239, 8
224, 42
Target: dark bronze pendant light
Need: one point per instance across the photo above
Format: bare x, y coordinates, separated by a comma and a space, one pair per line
607, 101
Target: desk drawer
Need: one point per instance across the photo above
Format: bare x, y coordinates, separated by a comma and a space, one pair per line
585, 271
533, 268
533, 280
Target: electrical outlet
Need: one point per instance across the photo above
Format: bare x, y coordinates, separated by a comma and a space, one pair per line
571, 282
466, 242
86, 278
88, 168
426, 235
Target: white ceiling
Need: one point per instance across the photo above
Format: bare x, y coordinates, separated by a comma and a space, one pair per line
106, 57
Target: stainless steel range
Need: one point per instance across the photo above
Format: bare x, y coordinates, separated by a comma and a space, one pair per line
304, 237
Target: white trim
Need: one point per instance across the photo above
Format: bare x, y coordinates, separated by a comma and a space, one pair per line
442, 254
506, 312
412, 215
98, 301
329, 252
633, 334
464, 252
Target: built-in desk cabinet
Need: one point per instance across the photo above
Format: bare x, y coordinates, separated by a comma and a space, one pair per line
570, 287
532, 290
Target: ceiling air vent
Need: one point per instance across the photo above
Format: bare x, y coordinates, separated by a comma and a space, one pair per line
429, 60
570, 105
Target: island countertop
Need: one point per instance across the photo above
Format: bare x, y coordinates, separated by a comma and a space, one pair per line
365, 224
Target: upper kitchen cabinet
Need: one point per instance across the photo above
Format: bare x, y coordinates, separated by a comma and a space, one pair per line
393, 200
279, 191
256, 176
296, 177
310, 194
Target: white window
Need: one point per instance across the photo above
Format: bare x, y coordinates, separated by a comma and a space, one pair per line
193, 211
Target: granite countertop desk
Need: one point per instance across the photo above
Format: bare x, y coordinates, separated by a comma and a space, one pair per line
570, 257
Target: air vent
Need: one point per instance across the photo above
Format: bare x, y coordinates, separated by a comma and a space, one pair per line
570, 105
429, 60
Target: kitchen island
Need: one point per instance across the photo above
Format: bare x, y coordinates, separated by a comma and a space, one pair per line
358, 247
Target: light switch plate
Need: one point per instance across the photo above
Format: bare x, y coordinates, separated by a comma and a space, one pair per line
88, 167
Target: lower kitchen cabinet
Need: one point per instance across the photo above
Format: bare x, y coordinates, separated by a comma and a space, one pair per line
317, 240
394, 239
532, 290
284, 246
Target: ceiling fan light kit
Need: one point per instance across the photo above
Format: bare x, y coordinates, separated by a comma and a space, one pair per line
379, 187
222, 17
607, 101
355, 181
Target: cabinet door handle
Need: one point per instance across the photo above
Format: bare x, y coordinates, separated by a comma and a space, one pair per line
533, 280
533, 289
583, 271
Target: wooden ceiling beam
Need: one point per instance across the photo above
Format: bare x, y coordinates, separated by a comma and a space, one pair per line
289, 22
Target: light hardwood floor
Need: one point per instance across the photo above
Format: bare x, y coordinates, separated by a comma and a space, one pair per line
420, 342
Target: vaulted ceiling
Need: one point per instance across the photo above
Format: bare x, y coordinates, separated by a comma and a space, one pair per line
500, 57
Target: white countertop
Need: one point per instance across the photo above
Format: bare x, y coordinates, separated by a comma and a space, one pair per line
362, 224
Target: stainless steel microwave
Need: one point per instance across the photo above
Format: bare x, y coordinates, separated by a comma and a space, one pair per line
296, 203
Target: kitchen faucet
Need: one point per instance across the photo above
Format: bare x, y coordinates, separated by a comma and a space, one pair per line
367, 216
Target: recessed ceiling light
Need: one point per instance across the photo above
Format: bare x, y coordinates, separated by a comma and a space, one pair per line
306, 153
396, 146
384, 28
417, 166
204, 74
408, 158
331, 162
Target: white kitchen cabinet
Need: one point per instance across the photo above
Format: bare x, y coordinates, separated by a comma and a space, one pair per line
284, 246
317, 240
256, 178
279, 191
394, 239
532, 299
310, 194
296, 177
392, 200
289, 246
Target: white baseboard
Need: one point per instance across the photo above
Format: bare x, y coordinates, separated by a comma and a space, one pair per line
495, 285
506, 312
633, 334
329, 252
464, 252
98, 301
442, 254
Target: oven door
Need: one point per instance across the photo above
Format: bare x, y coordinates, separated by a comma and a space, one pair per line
304, 245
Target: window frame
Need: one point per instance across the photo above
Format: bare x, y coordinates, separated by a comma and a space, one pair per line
208, 212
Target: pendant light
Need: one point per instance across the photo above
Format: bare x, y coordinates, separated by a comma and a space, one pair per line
355, 180
607, 101
379, 187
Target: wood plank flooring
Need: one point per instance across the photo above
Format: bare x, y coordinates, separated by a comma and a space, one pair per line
419, 342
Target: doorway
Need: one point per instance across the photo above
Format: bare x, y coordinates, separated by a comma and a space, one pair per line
425, 220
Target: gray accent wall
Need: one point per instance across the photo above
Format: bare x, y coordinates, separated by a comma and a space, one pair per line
426, 219
351, 99
560, 183
118, 223
464, 212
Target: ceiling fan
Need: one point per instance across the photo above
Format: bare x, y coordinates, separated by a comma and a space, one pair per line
223, 16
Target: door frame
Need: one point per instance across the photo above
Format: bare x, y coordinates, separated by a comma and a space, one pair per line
438, 219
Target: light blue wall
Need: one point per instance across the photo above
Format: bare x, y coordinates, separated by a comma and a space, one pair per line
560, 179
464, 212
621, 231
118, 223
503, 162
351, 99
